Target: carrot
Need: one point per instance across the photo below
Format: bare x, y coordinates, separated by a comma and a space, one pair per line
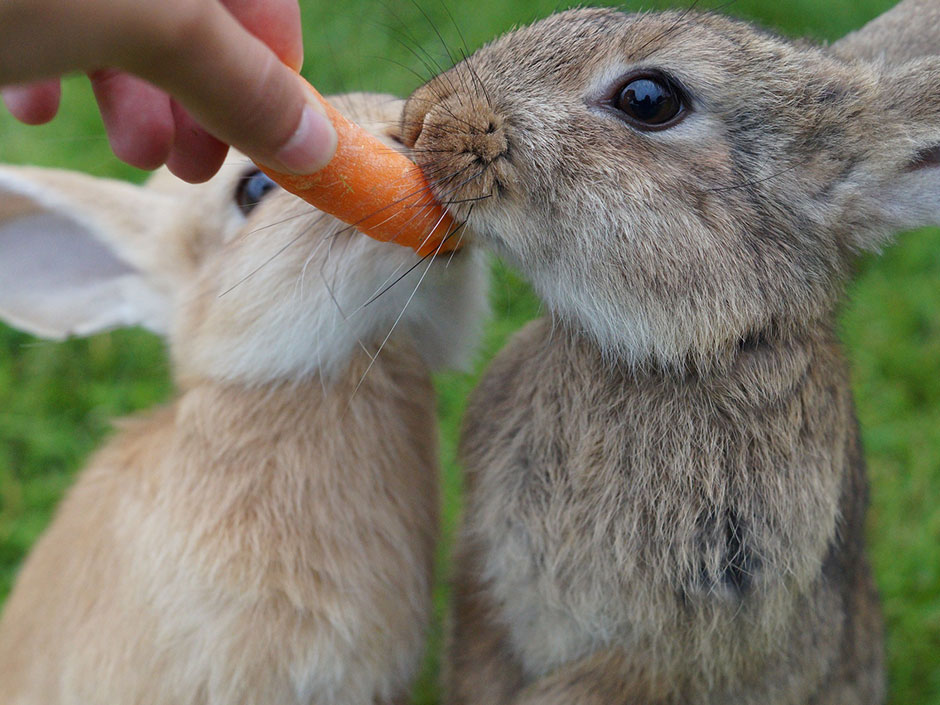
375, 189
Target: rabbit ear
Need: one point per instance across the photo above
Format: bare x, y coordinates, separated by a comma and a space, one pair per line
912, 200
905, 187
908, 31
79, 255
892, 175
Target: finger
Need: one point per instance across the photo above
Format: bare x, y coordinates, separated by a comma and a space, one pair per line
34, 103
137, 118
238, 89
196, 155
274, 22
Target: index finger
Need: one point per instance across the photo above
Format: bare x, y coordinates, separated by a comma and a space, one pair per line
231, 82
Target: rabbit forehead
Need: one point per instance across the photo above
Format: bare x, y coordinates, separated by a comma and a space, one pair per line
738, 79
572, 46
728, 68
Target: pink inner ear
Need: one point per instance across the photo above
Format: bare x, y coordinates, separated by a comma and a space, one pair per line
925, 159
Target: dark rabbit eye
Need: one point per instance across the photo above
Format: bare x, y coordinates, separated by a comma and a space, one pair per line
650, 102
252, 187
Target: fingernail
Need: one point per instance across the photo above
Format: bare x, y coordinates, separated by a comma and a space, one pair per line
312, 145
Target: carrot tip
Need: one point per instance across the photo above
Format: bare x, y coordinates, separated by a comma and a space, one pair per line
379, 191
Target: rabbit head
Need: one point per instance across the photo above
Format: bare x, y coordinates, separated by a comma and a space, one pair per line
248, 283
674, 184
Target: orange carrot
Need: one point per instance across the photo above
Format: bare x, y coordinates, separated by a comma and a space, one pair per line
375, 189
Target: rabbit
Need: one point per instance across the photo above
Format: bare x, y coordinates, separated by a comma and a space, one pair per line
906, 32
665, 489
267, 537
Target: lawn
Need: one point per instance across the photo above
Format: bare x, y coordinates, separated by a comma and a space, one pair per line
57, 400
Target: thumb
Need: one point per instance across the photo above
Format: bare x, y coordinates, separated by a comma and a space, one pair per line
235, 86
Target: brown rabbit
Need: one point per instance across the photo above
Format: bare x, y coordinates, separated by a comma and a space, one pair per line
909, 31
267, 537
665, 490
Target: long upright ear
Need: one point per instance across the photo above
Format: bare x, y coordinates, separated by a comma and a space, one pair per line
908, 31
78, 254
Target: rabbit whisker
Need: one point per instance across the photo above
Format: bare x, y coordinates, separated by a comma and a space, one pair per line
472, 178
436, 31
747, 184
459, 228
473, 199
426, 63
437, 103
402, 31
281, 222
462, 230
468, 62
669, 30
417, 74
465, 49
417, 264
303, 270
388, 336
262, 265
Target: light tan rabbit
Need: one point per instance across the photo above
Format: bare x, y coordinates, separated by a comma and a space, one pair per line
267, 537
665, 490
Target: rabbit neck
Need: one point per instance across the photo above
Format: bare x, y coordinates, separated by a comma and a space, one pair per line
760, 369
718, 363
312, 405
261, 486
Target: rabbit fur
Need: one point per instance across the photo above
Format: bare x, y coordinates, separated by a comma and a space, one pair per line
665, 489
268, 536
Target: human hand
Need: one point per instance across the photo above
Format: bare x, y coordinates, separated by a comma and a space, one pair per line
176, 80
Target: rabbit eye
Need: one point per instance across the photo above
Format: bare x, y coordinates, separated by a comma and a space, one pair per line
252, 187
650, 102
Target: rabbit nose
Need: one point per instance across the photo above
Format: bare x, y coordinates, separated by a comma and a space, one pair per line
488, 143
460, 140
455, 126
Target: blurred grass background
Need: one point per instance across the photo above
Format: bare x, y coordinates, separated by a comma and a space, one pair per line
57, 400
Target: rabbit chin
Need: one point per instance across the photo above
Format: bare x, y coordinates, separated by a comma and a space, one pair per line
592, 298
626, 332
317, 320
630, 331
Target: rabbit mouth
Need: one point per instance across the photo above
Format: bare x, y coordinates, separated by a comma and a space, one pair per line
477, 227
462, 182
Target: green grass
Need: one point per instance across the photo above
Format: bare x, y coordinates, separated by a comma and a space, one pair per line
56, 400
